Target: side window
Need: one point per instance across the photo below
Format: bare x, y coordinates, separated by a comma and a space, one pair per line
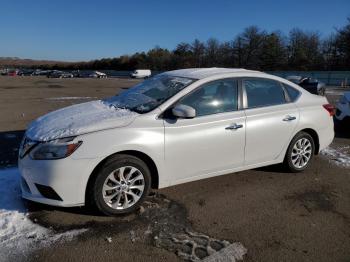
292, 92
263, 92
215, 97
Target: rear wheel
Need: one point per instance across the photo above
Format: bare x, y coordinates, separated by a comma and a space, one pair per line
300, 152
121, 185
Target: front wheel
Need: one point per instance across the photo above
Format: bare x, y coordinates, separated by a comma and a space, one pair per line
300, 152
121, 185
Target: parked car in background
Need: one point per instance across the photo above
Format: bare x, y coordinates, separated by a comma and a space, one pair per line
82, 74
76, 73
176, 127
12, 72
343, 107
100, 74
312, 85
59, 74
39, 72
92, 75
89, 74
96, 74
141, 73
25, 72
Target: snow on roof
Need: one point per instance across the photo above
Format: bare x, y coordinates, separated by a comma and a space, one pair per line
200, 73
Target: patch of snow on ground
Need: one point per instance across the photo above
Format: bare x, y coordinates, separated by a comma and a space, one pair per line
337, 156
234, 252
18, 234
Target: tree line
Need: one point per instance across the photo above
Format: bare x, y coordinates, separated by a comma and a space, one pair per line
253, 48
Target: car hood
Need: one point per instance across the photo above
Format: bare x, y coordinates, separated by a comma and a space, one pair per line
79, 119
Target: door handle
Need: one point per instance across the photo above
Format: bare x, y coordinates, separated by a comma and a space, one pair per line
234, 126
289, 118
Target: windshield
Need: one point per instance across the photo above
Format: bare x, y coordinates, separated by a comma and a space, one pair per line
149, 94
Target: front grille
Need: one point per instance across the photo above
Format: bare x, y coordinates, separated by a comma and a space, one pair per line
48, 192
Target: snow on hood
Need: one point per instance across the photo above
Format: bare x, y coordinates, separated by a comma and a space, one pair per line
79, 119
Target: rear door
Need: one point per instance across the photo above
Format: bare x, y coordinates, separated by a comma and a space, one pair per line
271, 119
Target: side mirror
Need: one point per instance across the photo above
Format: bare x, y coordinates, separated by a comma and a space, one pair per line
183, 111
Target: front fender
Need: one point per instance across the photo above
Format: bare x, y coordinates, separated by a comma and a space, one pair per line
100, 145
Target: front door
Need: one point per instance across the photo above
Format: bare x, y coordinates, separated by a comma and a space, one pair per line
211, 142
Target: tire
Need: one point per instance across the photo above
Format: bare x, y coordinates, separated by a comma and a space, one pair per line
113, 194
300, 153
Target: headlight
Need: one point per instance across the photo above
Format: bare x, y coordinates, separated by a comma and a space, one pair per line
55, 149
26, 146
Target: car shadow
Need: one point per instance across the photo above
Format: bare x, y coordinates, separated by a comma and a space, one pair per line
342, 128
82, 211
278, 168
9, 146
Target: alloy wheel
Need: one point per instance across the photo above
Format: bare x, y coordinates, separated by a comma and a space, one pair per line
301, 152
123, 187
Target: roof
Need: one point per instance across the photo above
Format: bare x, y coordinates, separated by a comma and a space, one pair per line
200, 73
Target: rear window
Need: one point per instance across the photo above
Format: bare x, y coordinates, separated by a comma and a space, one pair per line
263, 92
292, 92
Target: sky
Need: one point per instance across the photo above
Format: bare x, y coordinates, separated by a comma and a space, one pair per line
78, 30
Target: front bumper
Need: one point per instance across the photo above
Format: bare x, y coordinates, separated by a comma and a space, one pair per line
66, 177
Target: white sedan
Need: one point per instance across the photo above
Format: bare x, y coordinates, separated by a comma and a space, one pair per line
176, 127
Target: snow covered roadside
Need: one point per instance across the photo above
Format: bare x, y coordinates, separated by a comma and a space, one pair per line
337, 156
18, 234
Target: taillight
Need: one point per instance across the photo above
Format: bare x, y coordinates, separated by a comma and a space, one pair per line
330, 108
